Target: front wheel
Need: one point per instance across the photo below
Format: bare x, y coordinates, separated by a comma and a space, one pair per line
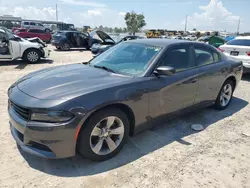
225, 95
104, 134
32, 55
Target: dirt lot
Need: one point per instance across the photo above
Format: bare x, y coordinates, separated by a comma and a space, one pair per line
170, 155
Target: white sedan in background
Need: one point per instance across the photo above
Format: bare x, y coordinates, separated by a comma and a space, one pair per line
239, 48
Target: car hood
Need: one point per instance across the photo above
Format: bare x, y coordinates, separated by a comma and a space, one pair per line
96, 34
67, 82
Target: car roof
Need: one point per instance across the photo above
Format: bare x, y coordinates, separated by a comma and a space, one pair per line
160, 42
243, 37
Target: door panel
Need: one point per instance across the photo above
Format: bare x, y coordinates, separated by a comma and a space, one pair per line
210, 78
14, 49
212, 73
173, 93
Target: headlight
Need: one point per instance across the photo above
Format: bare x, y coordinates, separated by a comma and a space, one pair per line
51, 117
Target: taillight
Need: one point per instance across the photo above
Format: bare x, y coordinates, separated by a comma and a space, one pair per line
248, 53
221, 50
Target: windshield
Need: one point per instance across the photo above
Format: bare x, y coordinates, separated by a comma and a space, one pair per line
9, 34
239, 42
127, 58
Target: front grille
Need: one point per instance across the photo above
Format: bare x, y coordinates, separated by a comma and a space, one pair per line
24, 113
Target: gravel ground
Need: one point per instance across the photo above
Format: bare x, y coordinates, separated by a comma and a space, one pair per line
169, 155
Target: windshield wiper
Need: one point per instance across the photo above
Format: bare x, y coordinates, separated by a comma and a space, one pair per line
105, 68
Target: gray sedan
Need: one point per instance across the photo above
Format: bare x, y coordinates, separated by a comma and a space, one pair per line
93, 108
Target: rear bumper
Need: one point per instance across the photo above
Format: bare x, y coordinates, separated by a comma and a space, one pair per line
245, 61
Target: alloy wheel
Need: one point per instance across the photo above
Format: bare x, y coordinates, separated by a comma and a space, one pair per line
226, 95
107, 135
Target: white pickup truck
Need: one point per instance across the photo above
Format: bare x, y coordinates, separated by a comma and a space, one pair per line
13, 47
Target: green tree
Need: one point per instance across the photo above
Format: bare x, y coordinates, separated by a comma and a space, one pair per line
101, 28
134, 22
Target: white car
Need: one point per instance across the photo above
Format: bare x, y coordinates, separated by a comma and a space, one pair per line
13, 47
238, 48
34, 25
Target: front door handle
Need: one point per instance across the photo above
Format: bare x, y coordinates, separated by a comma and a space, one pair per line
191, 81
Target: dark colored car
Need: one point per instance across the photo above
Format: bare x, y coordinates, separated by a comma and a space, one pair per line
31, 33
94, 108
64, 40
99, 48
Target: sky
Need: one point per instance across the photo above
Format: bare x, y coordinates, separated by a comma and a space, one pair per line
217, 15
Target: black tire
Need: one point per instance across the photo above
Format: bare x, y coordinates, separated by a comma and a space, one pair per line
65, 47
27, 53
218, 105
83, 144
47, 30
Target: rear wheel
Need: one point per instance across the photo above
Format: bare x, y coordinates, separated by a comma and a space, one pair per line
225, 95
104, 135
32, 55
65, 47
47, 30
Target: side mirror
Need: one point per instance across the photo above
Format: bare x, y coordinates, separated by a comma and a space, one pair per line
4, 40
165, 70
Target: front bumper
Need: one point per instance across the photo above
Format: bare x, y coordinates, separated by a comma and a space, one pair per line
43, 139
46, 52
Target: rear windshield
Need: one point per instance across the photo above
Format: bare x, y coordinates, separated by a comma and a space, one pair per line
239, 42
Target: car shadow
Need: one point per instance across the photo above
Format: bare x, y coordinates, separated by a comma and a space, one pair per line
137, 146
21, 64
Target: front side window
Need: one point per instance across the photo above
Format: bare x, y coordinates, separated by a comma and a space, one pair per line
203, 57
127, 58
26, 23
177, 58
32, 23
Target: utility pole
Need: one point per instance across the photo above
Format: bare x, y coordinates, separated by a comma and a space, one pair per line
238, 28
186, 24
56, 13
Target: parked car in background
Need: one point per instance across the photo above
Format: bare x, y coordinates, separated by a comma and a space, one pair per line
190, 37
239, 48
103, 45
34, 25
31, 33
13, 47
94, 108
215, 41
64, 40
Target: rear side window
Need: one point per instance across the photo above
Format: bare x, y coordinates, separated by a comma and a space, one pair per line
36, 31
239, 42
26, 23
203, 57
32, 23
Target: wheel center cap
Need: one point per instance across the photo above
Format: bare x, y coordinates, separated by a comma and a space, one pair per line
106, 134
